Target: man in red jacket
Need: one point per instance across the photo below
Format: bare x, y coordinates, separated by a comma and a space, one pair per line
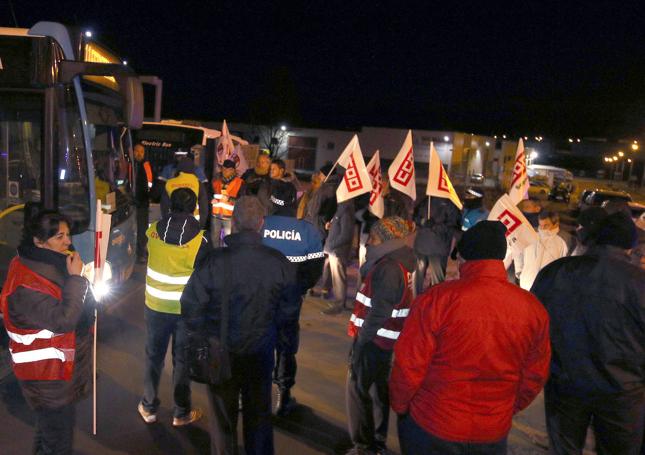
473, 352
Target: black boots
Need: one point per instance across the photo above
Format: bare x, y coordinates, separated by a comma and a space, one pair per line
285, 404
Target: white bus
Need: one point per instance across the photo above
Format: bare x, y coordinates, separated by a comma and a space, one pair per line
67, 105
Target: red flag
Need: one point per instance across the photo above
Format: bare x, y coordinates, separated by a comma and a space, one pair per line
439, 184
356, 180
520, 181
376, 205
401, 171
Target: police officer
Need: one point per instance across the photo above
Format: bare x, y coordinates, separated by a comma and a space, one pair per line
300, 242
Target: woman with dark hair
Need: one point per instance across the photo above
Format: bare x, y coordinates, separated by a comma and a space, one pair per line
47, 313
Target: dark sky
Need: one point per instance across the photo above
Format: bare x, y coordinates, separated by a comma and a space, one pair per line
539, 68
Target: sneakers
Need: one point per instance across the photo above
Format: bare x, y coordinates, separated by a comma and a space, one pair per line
332, 310
148, 417
192, 416
285, 404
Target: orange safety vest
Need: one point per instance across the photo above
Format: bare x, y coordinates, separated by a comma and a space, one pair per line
148, 170
387, 335
36, 354
222, 195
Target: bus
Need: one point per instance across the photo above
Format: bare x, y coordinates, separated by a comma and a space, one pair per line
67, 106
164, 138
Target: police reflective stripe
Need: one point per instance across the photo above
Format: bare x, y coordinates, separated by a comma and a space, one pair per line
297, 258
167, 278
218, 196
400, 313
320, 254
358, 322
164, 295
277, 201
39, 354
27, 339
391, 334
365, 300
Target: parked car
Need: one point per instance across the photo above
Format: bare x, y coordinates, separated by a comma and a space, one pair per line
561, 192
539, 189
637, 210
596, 197
477, 179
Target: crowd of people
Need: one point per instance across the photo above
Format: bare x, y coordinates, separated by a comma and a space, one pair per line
454, 359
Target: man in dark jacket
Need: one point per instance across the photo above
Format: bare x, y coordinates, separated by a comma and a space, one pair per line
143, 179
338, 247
474, 352
322, 205
382, 304
300, 242
597, 307
262, 287
433, 242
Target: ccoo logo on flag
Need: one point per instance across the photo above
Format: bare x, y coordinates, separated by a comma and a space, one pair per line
510, 221
352, 177
405, 171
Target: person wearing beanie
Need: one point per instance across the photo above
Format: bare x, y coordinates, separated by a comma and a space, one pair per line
185, 178
596, 303
382, 304
473, 353
588, 222
226, 189
300, 242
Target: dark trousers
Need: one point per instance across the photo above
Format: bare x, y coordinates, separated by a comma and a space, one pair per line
142, 227
54, 430
415, 440
160, 328
617, 422
251, 378
284, 373
436, 265
367, 398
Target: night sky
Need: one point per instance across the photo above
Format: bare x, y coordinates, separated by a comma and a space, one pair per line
540, 68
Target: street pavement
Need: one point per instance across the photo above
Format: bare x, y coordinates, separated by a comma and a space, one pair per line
318, 424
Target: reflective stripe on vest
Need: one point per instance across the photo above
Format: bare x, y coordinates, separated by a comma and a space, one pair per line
169, 269
389, 332
29, 338
185, 180
220, 189
37, 354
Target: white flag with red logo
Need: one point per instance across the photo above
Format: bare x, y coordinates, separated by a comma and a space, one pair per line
439, 184
356, 180
240, 160
519, 232
401, 171
224, 145
520, 181
376, 205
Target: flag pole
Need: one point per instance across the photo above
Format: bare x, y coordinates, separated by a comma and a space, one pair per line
330, 172
97, 228
428, 217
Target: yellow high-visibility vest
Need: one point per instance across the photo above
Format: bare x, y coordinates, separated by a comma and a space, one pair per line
169, 268
185, 180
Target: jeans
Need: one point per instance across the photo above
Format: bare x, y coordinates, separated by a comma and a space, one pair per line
367, 398
415, 440
54, 430
336, 266
437, 266
220, 228
617, 422
252, 379
160, 328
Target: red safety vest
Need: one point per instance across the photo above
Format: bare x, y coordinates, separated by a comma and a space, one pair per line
223, 208
36, 354
391, 329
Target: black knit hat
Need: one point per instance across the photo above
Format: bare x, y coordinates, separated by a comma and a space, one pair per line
485, 240
230, 164
619, 230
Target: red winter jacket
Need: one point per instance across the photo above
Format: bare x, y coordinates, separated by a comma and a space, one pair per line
472, 353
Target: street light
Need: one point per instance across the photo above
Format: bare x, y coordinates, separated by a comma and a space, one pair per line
635, 146
621, 154
88, 34
283, 128
446, 138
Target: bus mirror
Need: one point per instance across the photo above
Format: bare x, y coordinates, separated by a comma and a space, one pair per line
132, 91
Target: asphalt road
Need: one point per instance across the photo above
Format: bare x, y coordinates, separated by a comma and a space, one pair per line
318, 425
